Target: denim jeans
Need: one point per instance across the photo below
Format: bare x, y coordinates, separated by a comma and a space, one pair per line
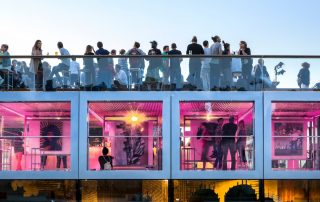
218, 161
57, 69
64, 161
228, 145
106, 77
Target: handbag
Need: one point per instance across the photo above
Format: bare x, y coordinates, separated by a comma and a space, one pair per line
107, 164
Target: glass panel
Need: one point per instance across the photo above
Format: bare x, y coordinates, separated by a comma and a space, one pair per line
295, 136
38, 190
35, 136
132, 70
126, 134
125, 190
217, 135
292, 190
216, 190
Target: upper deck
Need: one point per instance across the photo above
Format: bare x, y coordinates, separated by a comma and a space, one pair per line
160, 73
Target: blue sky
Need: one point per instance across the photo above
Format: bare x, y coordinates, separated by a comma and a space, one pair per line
268, 26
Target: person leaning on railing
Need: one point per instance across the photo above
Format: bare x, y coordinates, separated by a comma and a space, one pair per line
106, 70
195, 63
5, 65
36, 65
175, 68
246, 63
304, 76
226, 79
89, 70
137, 64
215, 71
205, 67
154, 64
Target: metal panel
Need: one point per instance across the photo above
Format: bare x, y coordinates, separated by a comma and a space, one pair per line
256, 97
72, 97
269, 97
124, 96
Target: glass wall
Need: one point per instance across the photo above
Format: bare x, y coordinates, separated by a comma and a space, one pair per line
125, 135
124, 190
35, 136
216, 190
217, 135
139, 72
246, 190
38, 190
295, 136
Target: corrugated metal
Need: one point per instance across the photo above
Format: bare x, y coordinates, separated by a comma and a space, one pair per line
119, 108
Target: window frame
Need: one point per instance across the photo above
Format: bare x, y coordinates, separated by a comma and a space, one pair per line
71, 97
270, 97
163, 97
255, 97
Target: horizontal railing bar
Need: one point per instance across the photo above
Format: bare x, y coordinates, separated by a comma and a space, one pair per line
25, 137
124, 136
164, 56
218, 136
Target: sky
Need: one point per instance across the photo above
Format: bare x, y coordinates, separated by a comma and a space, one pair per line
268, 26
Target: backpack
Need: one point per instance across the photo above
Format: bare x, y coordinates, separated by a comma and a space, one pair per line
107, 164
134, 61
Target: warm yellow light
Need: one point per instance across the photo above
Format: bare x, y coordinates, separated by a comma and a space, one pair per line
134, 118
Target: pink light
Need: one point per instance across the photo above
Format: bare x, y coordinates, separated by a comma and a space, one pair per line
95, 115
12, 111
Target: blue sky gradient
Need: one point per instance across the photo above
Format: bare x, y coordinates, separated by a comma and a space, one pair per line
268, 26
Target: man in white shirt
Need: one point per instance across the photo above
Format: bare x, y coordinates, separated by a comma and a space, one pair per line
63, 66
121, 76
74, 71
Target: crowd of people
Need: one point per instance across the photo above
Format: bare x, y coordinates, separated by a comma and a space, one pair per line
205, 73
224, 138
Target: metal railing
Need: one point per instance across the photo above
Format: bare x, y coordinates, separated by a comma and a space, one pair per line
224, 73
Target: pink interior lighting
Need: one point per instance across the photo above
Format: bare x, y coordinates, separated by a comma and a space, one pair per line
22, 135
294, 131
192, 114
140, 122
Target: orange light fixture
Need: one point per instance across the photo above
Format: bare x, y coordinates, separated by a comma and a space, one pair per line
134, 118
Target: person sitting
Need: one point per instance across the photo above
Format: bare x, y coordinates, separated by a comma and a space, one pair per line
121, 79
105, 160
62, 67
17, 76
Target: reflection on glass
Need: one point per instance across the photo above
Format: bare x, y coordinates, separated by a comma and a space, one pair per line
295, 136
163, 73
130, 132
35, 136
38, 190
292, 190
216, 190
124, 190
217, 135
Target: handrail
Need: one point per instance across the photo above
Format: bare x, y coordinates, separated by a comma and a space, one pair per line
162, 56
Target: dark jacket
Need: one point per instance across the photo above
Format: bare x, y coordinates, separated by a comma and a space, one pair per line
304, 76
